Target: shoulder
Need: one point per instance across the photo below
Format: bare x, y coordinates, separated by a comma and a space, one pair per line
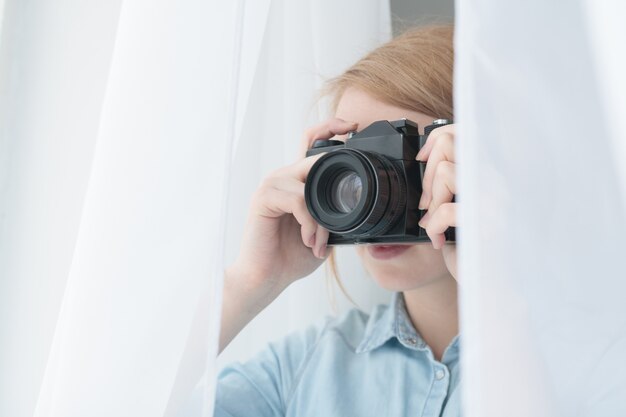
333, 332
351, 327
272, 374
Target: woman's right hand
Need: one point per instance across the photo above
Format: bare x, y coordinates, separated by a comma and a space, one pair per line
282, 242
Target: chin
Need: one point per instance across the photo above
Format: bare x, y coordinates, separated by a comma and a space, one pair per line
402, 268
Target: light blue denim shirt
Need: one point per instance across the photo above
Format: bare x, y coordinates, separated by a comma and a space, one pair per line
354, 365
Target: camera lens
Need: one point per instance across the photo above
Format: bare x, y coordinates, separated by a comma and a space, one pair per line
355, 192
346, 191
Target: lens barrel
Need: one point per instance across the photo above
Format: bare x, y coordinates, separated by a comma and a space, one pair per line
354, 192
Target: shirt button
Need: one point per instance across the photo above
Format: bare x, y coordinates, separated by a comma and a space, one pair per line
439, 374
411, 341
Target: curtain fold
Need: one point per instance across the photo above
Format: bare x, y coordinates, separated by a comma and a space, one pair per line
304, 44
116, 151
539, 97
148, 242
54, 64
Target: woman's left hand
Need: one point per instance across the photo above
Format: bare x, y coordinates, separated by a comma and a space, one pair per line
438, 190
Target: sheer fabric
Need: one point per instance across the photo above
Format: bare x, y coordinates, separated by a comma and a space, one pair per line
116, 150
540, 102
304, 44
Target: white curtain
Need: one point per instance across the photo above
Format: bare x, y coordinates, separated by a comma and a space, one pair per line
115, 142
305, 43
540, 101
53, 66
117, 129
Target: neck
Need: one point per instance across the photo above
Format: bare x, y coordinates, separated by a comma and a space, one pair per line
434, 313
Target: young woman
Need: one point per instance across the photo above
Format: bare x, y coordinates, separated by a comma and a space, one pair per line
402, 359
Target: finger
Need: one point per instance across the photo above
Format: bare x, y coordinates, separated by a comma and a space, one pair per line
443, 150
440, 220
321, 240
276, 202
312, 236
325, 130
332, 127
444, 185
298, 170
423, 154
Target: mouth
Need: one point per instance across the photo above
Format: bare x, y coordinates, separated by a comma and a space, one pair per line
384, 252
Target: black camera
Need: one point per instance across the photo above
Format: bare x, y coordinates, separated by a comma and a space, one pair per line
366, 189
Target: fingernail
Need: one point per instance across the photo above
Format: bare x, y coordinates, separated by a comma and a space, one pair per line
422, 153
422, 204
322, 252
424, 220
312, 241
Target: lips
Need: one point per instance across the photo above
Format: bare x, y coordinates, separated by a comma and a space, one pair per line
384, 252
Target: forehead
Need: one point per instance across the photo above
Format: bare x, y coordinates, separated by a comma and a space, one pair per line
359, 107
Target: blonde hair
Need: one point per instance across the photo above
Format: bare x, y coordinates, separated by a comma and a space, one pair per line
412, 71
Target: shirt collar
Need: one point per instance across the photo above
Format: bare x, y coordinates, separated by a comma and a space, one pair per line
391, 322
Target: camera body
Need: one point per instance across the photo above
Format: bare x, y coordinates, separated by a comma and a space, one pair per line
366, 190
